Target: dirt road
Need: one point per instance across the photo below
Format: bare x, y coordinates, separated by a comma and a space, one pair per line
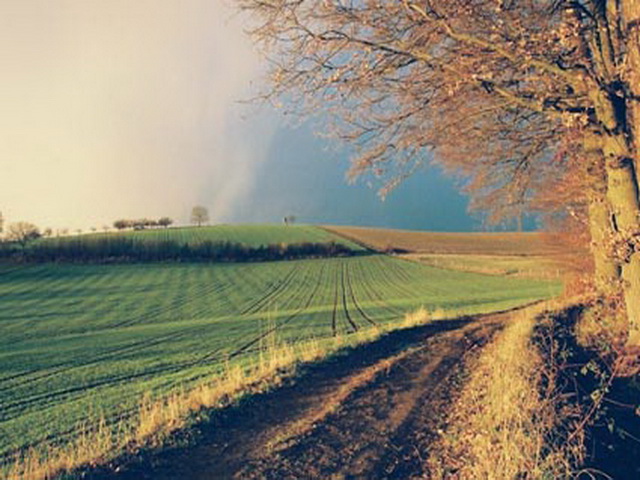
370, 413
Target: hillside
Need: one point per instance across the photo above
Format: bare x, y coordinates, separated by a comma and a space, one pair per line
255, 235
221, 243
480, 243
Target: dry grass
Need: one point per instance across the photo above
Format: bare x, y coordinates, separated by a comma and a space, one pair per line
422, 316
501, 424
485, 243
157, 418
529, 266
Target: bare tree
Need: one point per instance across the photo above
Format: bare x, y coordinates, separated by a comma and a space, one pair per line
199, 215
121, 224
165, 222
22, 233
407, 81
289, 220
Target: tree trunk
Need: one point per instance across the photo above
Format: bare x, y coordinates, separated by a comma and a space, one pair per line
627, 177
606, 274
631, 74
606, 270
622, 193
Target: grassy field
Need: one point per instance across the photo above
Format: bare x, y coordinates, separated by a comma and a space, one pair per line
250, 235
79, 342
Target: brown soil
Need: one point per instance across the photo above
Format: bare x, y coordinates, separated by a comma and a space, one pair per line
369, 413
477, 243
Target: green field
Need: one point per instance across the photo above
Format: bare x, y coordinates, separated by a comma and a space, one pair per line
82, 341
250, 235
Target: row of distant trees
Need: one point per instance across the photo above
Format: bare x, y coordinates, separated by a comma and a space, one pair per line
199, 216
25, 232
142, 223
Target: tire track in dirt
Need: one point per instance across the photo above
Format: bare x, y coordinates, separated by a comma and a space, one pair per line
353, 324
373, 432
355, 301
358, 415
273, 293
245, 348
375, 294
334, 326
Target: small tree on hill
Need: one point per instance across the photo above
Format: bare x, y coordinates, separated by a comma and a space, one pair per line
23, 233
199, 215
165, 222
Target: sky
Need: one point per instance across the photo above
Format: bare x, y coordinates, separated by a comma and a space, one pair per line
127, 109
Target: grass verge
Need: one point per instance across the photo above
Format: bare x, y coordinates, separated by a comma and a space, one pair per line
504, 424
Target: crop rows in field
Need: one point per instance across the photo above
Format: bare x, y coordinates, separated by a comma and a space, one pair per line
90, 340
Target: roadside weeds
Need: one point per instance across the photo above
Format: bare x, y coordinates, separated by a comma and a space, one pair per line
505, 423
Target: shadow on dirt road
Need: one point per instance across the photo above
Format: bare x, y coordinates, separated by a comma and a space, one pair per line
370, 412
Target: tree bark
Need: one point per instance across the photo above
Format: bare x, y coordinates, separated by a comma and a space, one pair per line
606, 274
606, 270
630, 26
627, 177
622, 193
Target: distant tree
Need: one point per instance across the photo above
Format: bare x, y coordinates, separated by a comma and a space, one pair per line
165, 222
23, 233
47, 232
78, 231
105, 228
289, 220
1, 223
121, 224
139, 224
64, 231
94, 229
199, 215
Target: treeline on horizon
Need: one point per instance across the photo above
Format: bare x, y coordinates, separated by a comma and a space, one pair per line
130, 250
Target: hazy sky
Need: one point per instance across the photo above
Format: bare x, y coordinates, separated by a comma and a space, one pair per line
122, 108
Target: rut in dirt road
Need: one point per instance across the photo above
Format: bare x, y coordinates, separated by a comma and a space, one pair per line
383, 429
370, 413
